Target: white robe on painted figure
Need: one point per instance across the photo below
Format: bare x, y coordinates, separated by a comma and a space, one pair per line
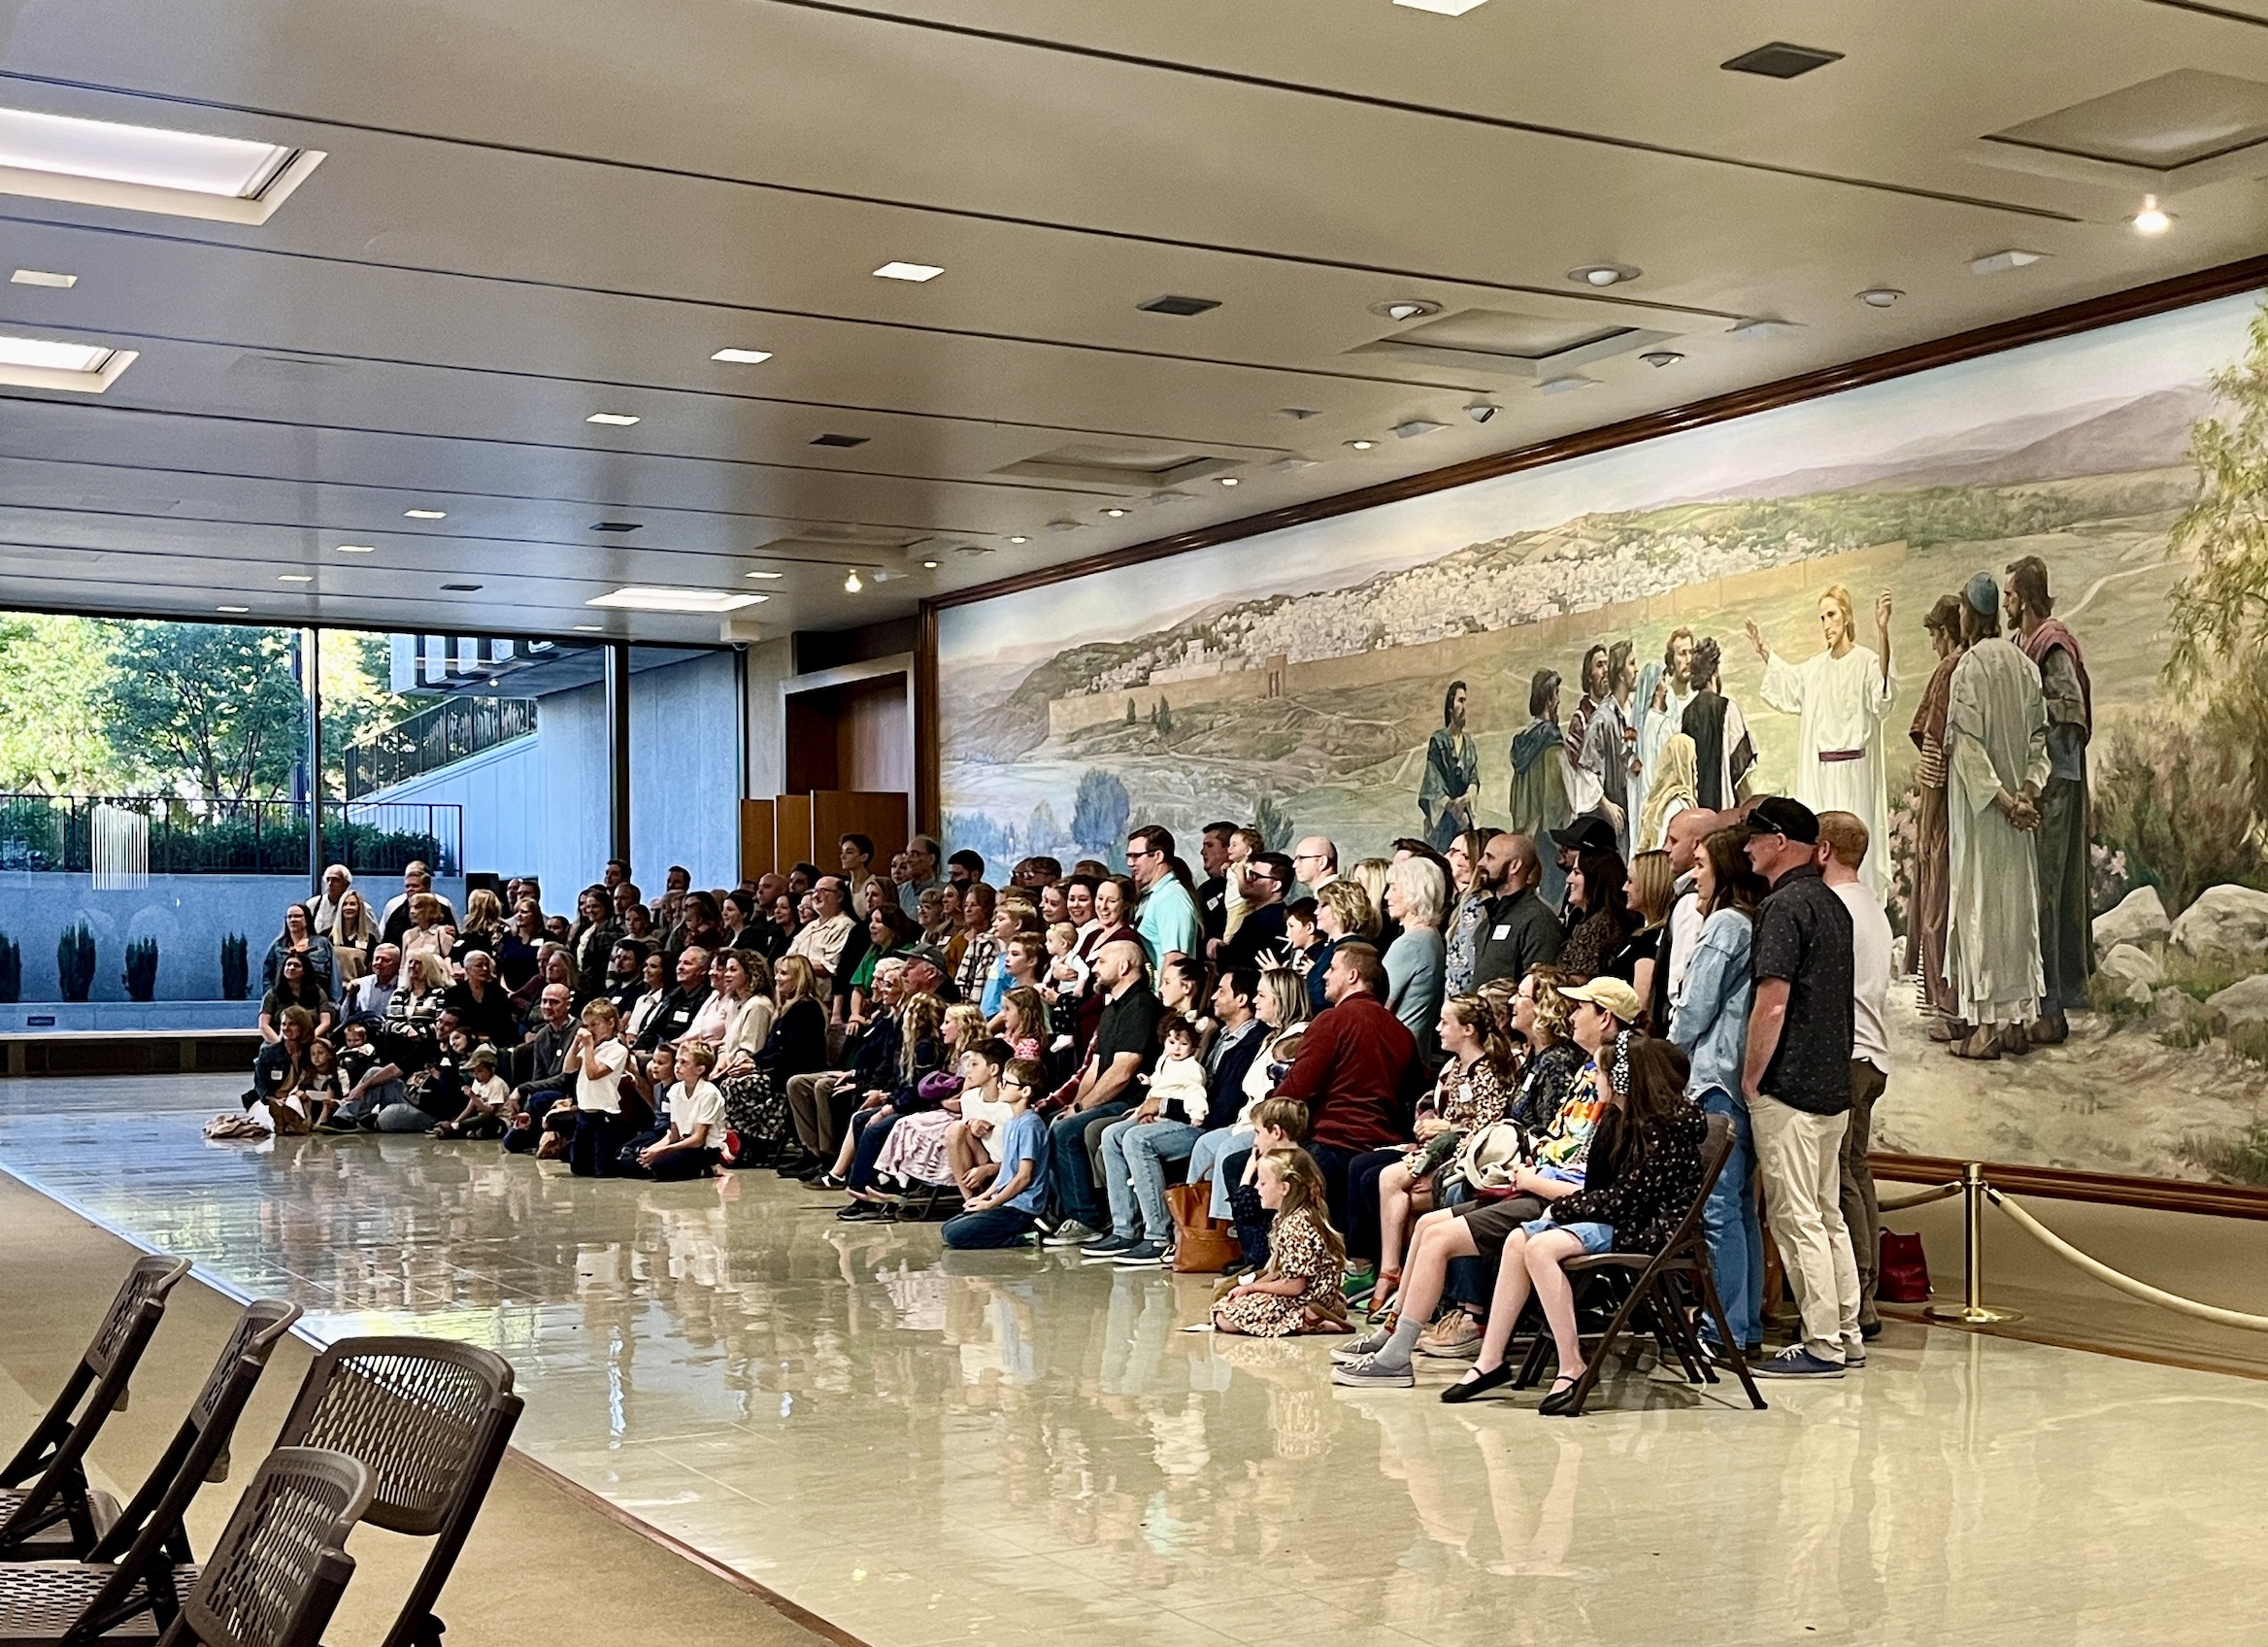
1841, 703
1655, 730
1995, 738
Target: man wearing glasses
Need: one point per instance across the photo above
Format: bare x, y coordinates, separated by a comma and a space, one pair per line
1167, 922
1315, 862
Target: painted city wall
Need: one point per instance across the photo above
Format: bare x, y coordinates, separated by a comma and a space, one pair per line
1299, 677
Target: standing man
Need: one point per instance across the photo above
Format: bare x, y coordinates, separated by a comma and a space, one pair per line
1540, 804
1839, 694
1168, 920
1682, 841
1453, 774
1842, 845
921, 855
1125, 1046
323, 910
1996, 757
1518, 932
1316, 861
2066, 948
1212, 890
416, 878
1796, 1078
1260, 940
1925, 927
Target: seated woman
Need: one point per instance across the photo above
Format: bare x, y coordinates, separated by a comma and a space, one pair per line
302, 940
755, 1099
917, 1150
922, 1041
519, 951
1298, 1291
1645, 1169
890, 931
1281, 1007
295, 985
1600, 1016
1386, 1187
744, 977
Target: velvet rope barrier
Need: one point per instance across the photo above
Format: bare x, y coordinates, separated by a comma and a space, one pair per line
2126, 1284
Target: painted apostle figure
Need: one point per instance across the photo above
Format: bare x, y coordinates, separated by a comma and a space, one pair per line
2066, 947
1452, 773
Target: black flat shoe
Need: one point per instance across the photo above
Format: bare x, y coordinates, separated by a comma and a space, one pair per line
1473, 1389
1560, 1401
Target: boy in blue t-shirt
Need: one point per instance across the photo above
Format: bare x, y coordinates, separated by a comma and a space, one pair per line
1008, 1210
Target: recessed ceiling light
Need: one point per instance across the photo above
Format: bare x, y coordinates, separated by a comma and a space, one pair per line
1604, 274
295, 577
1659, 357
851, 584
894, 271
1443, 8
1567, 384
426, 513
42, 277
1995, 263
462, 589
1114, 512
742, 357
764, 575
647, 599
233, 609
39, 363
1362, 445
1415, 428
146, 168
840, 439
357, 549
1228, 481
1406, 308
1779, 60
1880, 296
1011, 540
2152, 218
930, 564
613, 420
1172, 305
590, 628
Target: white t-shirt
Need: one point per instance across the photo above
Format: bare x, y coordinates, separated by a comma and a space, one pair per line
492, 1091
999, 1112
1870, 955
689, 1109
603, 1092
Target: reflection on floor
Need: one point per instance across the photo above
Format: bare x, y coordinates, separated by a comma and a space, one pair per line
1014, 1449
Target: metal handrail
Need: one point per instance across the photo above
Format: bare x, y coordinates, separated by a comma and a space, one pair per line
450, 731
221, 835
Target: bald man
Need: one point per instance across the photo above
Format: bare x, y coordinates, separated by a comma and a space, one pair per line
1125, 1046
1519, 930
1682, 840
1316, 861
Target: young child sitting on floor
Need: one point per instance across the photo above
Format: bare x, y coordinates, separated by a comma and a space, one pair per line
974, 1142
485, 1094
1298, 1291
688, 1147
1277, 1123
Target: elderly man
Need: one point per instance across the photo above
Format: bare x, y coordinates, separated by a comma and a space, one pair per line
1168, 918
323, 910
922, 855
1519, 930
1316, 861
367, 997
927, 973
820, 941
1124, 1047
537, 1070
820, 1103
683, 1004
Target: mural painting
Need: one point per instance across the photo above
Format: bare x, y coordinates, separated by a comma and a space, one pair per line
2012, 613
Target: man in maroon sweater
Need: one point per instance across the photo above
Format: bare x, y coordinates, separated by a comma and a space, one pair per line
1353, 1070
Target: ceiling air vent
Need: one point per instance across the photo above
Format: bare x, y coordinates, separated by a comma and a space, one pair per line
1171, 305
840, 439
1780, 60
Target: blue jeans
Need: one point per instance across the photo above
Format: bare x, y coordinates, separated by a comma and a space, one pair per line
1072, 1186
873, 1127
1138, 1151
1736, 1243
995, 1227
1207, 1159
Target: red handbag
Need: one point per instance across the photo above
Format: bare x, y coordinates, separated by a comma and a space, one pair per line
1902, 1274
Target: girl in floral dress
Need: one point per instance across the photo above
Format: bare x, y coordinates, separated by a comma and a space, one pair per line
1299, 1290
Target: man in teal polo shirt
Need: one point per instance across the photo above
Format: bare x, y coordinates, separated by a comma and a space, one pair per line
1168, 920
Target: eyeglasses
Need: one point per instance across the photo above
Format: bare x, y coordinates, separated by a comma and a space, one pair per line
1146, 852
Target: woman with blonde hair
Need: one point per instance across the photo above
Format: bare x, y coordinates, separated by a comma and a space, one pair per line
1676, 781
1651, 890
1342, 911
1298, 1291
795, 1043
745, 980
1370, 874
427, 933
353, 937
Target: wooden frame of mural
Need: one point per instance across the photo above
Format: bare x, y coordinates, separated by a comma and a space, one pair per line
2229, 1191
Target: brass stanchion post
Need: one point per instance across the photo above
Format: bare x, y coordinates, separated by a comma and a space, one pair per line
1972, 1311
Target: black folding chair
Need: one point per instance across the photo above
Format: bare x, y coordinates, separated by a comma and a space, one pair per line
129, 1587
1652, 1288
430, 1417
277, 1572
55, 1452
39, 1524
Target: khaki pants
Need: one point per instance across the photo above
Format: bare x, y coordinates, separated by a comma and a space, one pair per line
1860, 1214
1799, 1156
814, 1115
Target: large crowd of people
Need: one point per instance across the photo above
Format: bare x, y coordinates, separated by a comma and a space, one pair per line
1408, 1089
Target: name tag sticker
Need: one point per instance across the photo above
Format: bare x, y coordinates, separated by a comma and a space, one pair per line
1501, 933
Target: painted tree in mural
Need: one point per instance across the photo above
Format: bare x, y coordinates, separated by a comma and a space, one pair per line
1099, 815
213, 706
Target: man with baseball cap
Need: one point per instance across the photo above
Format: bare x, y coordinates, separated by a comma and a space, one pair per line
1796, 1080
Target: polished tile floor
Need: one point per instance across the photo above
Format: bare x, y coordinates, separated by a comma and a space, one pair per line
1008, 1448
